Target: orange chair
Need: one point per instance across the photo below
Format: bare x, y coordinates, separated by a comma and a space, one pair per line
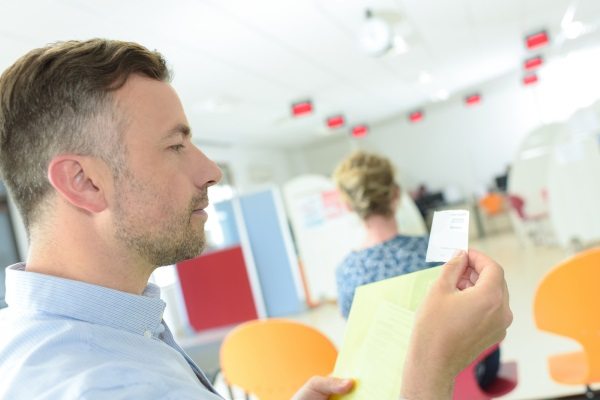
273, 358
467, 387
566, 303
492, 203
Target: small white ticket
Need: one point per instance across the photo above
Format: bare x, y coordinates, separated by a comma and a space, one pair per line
449, 233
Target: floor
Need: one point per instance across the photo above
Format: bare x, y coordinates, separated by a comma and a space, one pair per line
524, 267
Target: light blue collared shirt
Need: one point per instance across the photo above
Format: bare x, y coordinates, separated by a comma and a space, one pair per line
65, 339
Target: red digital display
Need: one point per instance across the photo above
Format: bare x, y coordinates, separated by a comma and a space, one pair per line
360, 131
336, 121
302, 108
533, 63
537, 40
416, 116
530, 79
473, 99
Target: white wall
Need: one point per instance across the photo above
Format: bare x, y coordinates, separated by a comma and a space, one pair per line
454, 145
464, 146
322, 158
253, 167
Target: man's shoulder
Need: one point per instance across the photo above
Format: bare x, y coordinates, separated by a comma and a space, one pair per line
110, 379
66, 361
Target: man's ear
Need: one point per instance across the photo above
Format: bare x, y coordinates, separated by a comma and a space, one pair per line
78, 180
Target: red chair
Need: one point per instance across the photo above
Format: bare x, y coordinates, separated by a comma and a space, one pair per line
518, 204
533, 226
466, 386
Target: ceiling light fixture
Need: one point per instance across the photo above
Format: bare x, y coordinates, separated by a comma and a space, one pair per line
213, 105
399, 45
573, 30
440, 95
425, 78
375, 36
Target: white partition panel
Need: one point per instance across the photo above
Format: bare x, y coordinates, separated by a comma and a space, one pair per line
325, 230
528, 177
574, 181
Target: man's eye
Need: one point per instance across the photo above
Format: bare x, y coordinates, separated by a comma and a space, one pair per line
177, 147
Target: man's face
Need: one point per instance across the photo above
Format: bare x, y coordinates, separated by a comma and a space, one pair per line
160, 198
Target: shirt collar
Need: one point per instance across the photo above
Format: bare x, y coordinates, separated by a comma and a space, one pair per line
83, 301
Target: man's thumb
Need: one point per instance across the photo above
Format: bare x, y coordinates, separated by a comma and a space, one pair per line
454, 269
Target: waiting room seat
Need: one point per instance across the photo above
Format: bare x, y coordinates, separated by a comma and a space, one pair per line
566, 303
466, 386
273, 358
494, 212
492, 203
533, 226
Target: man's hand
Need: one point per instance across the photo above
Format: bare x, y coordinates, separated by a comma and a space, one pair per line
465, 312
320, 388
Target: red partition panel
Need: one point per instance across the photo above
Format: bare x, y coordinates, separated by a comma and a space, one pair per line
216, 289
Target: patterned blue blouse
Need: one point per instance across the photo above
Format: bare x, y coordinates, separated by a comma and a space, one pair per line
397, 256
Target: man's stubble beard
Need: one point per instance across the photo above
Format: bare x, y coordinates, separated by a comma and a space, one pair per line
162, 242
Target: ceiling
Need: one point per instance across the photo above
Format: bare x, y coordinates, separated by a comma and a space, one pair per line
239, 64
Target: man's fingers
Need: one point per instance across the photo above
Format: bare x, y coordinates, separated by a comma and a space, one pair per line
329, 385
479, 261
489, 273
453, 270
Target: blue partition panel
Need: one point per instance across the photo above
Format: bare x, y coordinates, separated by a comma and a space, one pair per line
227, 222
264, 225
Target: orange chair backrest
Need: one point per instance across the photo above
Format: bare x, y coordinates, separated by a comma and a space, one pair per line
567, 302
492, 203
273, 358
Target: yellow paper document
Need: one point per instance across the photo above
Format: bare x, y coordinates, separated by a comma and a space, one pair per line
378, 332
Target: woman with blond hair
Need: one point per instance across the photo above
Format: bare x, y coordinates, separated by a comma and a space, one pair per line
367, 184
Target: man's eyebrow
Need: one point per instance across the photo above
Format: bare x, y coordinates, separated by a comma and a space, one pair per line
179, 129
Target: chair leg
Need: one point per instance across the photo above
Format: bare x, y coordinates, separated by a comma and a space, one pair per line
589, 393
230, 392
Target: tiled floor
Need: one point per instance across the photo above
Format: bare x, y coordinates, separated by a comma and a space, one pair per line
524, 267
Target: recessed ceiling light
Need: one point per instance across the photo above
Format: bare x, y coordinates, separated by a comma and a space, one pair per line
440, 95
399, 44
213, 105
425, 78
573, 30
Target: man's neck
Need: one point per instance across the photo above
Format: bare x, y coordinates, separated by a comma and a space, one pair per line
379, 229
89, 260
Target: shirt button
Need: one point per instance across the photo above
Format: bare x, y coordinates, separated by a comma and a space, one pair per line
148, 334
